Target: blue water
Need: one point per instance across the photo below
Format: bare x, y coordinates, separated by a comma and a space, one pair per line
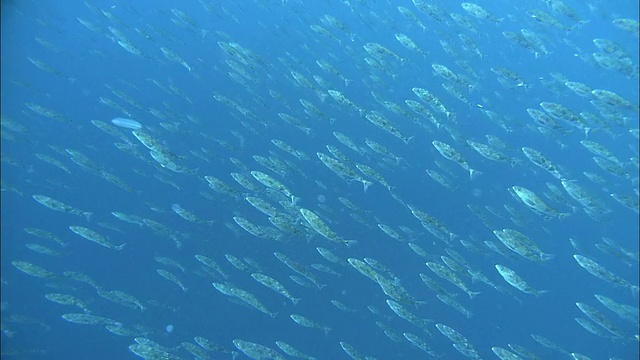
89, 64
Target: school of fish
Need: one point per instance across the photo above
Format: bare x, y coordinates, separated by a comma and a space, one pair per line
473, 194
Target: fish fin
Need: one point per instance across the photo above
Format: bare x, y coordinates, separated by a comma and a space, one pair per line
87, 214
562, 216
473, 294
540, 293
350, 243
326, 330
366, 185
468, 315
474, 173
546, 257
578, 25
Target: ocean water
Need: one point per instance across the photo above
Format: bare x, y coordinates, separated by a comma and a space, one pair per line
63, 69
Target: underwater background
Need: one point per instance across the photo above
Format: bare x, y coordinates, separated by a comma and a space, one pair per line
242, 99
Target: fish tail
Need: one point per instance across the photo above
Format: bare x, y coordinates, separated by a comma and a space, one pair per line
541, 292
366, 184
578, 25
474, 173
546, 257
350, 243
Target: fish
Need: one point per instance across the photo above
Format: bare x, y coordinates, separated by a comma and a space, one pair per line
602, 273
172, 278
272, 183
306, 322
521, 245
452, 277
452, 154
88, 319
126, 123
536, 204
291, 351
504, 354
95, 237
321, 228
274, 285
513, 279
33, 270
257, 351
479, 12
56, 205
343, 170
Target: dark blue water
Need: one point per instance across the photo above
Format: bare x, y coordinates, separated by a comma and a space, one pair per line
88, 64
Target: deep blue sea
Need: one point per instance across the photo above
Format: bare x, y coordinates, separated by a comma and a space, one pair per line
65, 68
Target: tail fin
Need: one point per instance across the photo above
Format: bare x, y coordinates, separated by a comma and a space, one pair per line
546, 257
350, 243
577, 26
326, 330
474, 173
541, 292
366, 184
473, 294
